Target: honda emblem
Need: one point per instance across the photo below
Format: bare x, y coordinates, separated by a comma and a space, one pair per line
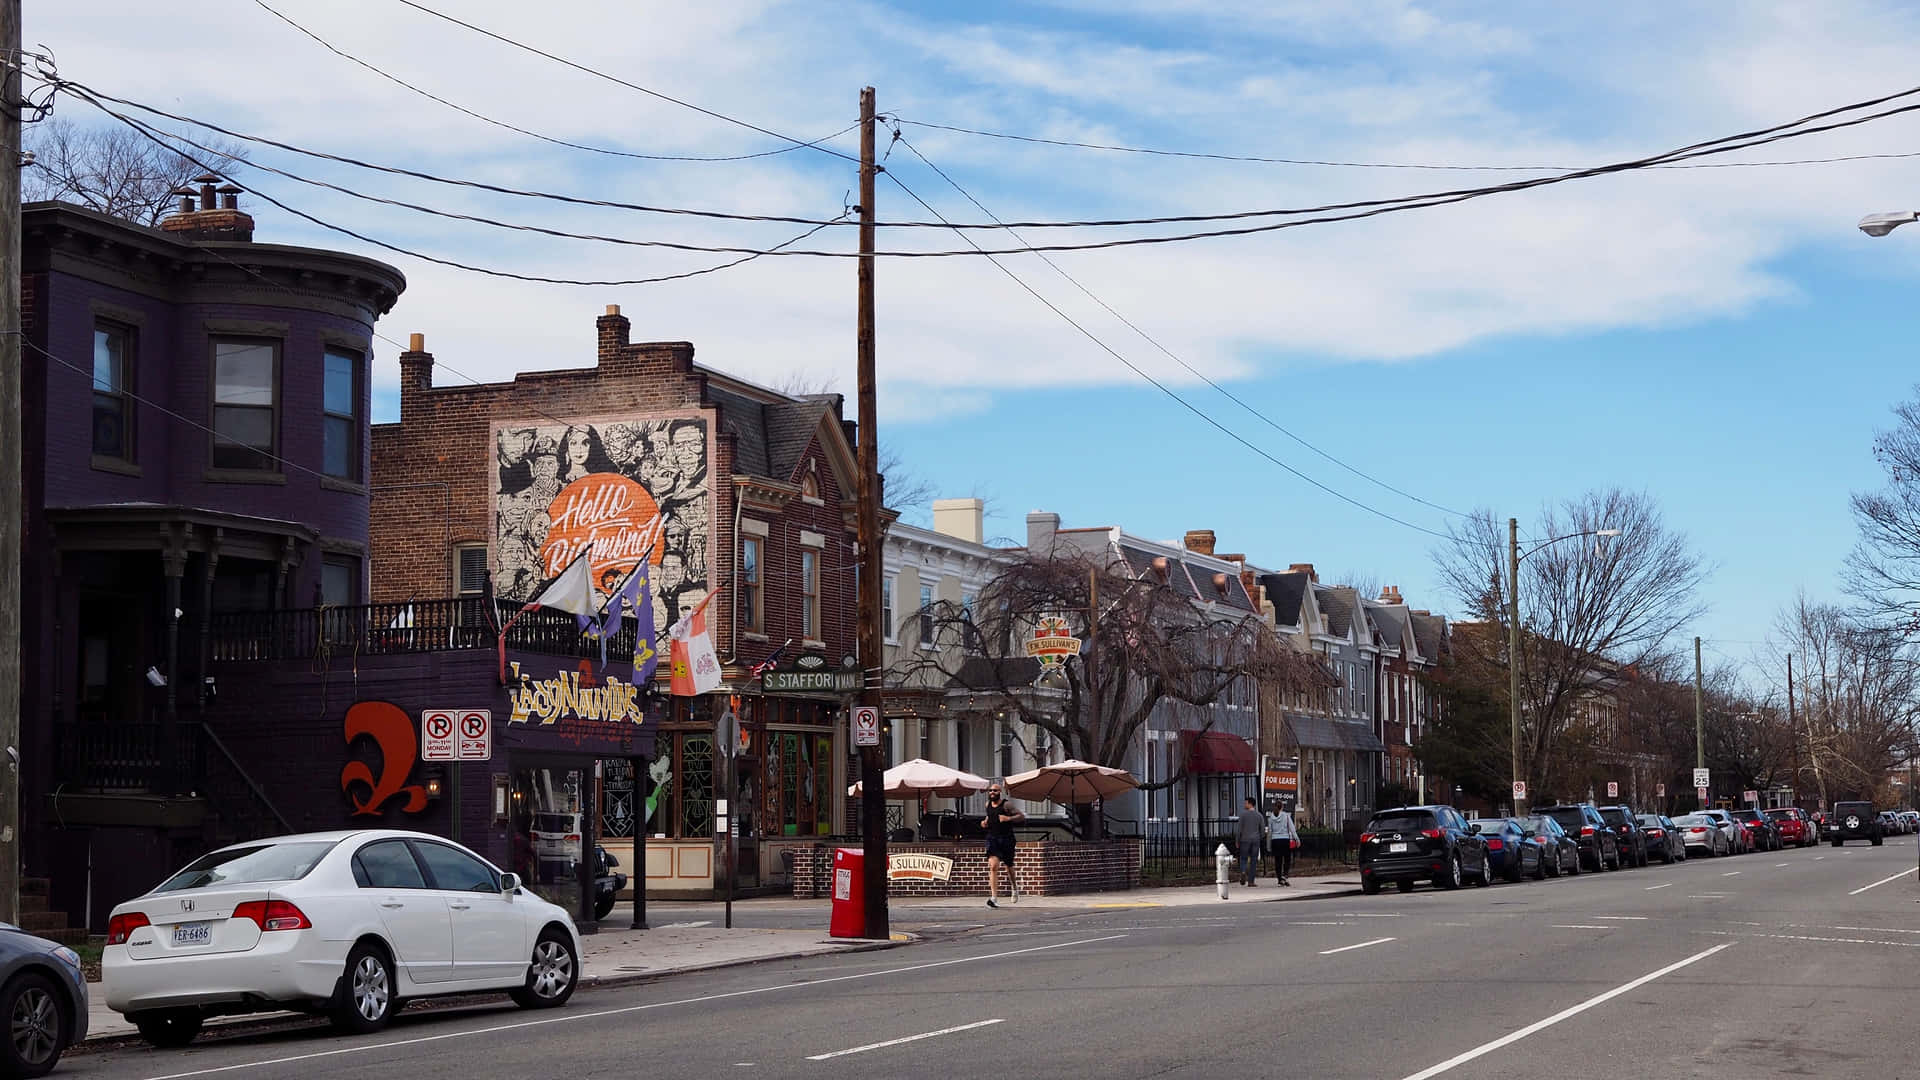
186, 905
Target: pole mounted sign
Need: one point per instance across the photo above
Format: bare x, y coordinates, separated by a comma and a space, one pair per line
456, 735
1613, 789
866, 725
1701, 779
1519, 789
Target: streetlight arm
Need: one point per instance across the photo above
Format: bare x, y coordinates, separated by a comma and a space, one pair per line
1544, 544
1882, 224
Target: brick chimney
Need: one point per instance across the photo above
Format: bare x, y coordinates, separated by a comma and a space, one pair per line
416, 369
614, 332
1390, 594
210, 213
1304, 568
1200, 540
961, 519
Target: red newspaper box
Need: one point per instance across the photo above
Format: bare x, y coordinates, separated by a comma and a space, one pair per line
849, 894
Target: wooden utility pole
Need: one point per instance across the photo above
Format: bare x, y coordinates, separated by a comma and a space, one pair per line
873, 805
1699, 721
11, 509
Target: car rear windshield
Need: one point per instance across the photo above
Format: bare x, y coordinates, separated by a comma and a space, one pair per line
1401, 821
1784, 815
1651, 821
1613, 816
1853, 808
1539, 824
553, 823
1748, 815
1694, 819
1569, 817
248, 865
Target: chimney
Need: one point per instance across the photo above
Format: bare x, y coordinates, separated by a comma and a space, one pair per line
960, 519
615, 330
416, 369
1304, 568
210, 213
1390, 594
1041, 526
1200, 540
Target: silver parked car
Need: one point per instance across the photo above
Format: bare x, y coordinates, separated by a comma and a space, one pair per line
1736, 833
1702, 835
43, 1000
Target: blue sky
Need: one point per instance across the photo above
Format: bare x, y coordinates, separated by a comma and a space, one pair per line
1722, 338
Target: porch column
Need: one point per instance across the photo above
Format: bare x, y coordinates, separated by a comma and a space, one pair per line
173, 557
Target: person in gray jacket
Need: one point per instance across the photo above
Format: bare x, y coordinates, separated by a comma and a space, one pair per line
1252, 837
1282, 836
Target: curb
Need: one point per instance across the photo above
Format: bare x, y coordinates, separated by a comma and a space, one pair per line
271, 1023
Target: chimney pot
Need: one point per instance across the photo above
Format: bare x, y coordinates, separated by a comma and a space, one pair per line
613, 309
1200, 540
416, 343
1304, 568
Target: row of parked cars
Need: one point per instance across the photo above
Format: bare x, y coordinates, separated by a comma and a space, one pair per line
1410, 844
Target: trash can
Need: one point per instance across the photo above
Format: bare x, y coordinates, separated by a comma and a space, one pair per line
849, 918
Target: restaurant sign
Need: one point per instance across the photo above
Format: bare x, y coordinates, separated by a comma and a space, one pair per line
1051, 643
567, 697
915, 867
810, 674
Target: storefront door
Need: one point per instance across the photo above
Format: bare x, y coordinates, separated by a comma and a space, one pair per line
555, 829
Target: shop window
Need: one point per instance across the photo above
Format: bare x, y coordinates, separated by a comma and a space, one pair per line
799, 784
617, 817
695, 785
113, 352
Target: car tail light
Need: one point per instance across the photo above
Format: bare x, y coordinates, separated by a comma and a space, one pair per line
1433, 834
1367, 837
122, 927
1656, 832
273, 915
573, 838
1495, 844
1586, 830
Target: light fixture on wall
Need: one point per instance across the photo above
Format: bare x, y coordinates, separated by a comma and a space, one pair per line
434, 779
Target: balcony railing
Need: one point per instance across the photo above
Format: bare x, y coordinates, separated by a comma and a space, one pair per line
129, 757
416, 626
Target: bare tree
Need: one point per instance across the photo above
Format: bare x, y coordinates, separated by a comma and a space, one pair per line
905, 489
114, 170
1588, 608
1858, 697
1148, 645
1883, 570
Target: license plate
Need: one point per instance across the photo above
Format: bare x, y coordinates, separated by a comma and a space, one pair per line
1396, 848
193, 933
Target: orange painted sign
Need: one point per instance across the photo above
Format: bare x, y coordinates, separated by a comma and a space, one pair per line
610, 517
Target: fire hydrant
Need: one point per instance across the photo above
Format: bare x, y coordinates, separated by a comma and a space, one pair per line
1222, 867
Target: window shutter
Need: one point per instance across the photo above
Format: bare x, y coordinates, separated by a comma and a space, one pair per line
473, 571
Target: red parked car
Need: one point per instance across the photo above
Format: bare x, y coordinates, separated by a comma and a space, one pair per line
1794, 827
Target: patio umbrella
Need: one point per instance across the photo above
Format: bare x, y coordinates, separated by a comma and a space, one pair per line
920, 778
1071, 783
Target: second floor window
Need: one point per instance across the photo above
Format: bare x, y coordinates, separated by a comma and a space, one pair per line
886, 609
926, 616
340, 580
810, 595
751, 602
113, 391
471, 569
974, 642
245, 404
340, 423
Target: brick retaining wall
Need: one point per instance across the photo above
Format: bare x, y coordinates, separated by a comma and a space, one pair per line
1043, 868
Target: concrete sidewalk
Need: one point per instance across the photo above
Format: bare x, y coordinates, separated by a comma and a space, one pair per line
608, 958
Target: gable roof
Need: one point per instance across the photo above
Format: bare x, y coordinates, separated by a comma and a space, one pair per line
1336, 604
1387, 620
1191, 576
1430, 633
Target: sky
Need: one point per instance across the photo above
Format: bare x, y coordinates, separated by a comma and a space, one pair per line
1723, 339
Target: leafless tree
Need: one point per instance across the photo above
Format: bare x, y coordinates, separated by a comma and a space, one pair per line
1883, 570
114, 170
1589, 608
904, 488
1858, 696
1149, 644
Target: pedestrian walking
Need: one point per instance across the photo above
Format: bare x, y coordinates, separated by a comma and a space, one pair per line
1252, 837
1282, 837
999, 823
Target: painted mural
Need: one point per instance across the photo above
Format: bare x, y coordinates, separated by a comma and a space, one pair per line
618, 489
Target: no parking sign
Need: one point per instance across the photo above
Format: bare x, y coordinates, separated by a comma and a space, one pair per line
456, 735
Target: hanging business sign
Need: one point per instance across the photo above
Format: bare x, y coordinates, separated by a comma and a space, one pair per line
1051, 643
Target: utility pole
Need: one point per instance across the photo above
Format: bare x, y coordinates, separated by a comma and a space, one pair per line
873, 805
1699, 723
1513, 653
11, 509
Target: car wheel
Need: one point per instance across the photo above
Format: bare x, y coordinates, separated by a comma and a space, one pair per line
1404, 886
553, 973
37, 1026
364, 1002
603, 907
1453, 878
168, 1029
1369, 886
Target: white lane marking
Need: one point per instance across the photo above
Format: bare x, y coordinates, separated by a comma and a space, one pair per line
1778, 865
1882, 881
1875, 929
1362, 945
1575, 1010
1369, 914
1668, 885
1809, 937
687, 925
1708, 896
1817, 858
626, 1009
1580, 926
904, 1039
1336, 922
1731, 873
1627, 918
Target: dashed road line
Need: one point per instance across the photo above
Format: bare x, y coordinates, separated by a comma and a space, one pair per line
1362, 945
1582, 926
1882, 881
1624, 918
1668, 885
1731, 873
905, 1039
1811, 937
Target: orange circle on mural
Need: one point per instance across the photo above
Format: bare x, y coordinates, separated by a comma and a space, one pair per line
607, 515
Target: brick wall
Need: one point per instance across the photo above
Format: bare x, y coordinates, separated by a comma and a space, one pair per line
1042, 868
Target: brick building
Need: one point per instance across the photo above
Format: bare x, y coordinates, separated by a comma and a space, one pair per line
729, 490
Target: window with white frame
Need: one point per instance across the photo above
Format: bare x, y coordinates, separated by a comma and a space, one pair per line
926, 616
886, 610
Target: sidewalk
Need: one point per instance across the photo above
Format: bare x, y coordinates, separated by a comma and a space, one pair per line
608, 958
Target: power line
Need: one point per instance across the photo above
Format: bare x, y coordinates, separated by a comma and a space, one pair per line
1151, 340
1156, 383
430, 96
1115, 148
615, 79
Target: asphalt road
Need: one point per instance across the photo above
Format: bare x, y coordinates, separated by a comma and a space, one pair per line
1802, 962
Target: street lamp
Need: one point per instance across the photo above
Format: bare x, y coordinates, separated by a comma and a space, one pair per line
1514, 555
1882, 224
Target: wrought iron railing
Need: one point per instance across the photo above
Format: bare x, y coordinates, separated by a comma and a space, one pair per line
130, 757
415, 626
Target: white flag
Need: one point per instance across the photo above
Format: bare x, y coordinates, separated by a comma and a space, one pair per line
571, 592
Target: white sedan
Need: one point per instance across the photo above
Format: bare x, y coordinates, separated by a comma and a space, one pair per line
347, 924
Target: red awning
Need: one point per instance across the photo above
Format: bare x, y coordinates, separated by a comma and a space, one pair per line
1216, 752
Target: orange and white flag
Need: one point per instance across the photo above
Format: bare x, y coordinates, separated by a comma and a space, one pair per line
696, 667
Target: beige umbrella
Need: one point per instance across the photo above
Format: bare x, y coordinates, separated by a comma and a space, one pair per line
1071, 783
920, 778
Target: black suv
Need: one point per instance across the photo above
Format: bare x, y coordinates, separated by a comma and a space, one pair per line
1599, 844
1411, 843
1854, 821
1626, 829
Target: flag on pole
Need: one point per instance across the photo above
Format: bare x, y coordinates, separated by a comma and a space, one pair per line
773, 658
696, 668
571, 592
646, 659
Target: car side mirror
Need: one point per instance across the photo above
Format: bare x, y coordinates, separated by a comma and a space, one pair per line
1474, 830
509, 883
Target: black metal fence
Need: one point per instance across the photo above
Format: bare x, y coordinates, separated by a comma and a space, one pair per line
415, 626
141, 756
1168, 856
